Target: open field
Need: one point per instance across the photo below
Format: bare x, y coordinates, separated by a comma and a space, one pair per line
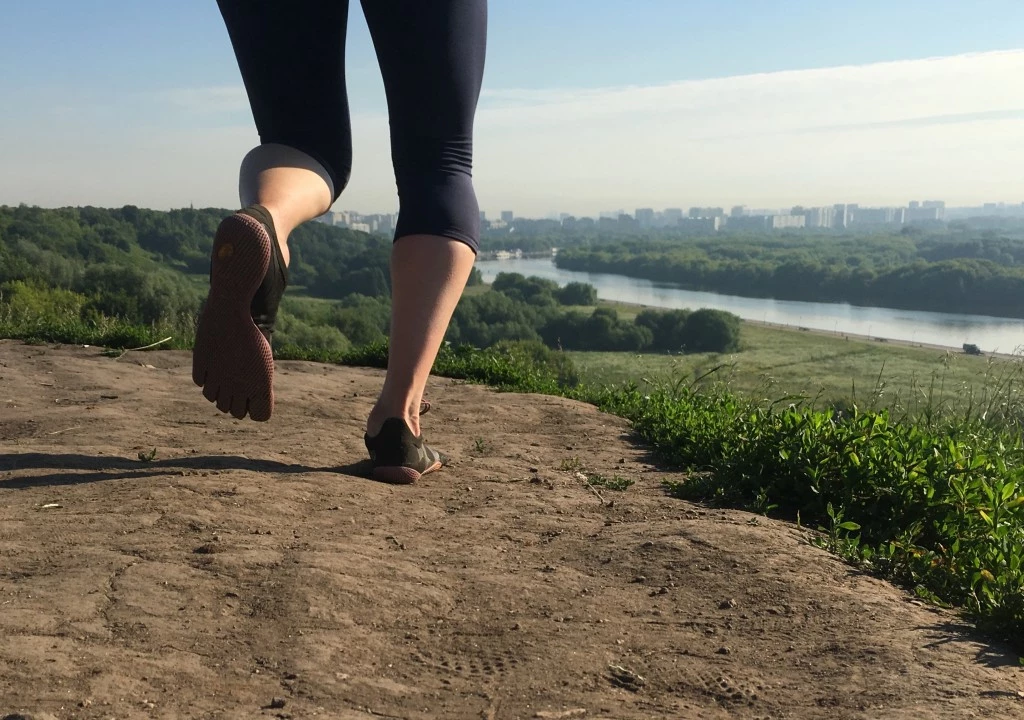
776, 362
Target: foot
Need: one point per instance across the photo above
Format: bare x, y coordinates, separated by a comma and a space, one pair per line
232, 360
379, 414
399, 456
267, 299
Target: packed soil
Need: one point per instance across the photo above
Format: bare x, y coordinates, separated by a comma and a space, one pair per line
251, 570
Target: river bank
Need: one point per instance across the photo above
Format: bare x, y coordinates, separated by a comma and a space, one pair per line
927, 329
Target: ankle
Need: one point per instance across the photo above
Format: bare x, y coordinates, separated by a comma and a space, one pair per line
382, 412
282, 228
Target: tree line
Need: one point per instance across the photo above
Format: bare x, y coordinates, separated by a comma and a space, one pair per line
980, 275
150, 268
522, 308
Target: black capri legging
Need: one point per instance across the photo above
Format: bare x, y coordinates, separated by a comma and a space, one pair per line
431, 54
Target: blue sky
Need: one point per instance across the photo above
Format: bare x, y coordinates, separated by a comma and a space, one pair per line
118, 101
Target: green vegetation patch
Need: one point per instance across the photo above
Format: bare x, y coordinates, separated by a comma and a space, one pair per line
940, 509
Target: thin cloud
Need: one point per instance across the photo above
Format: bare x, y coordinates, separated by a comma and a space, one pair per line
947, 127
203, 100
883, 132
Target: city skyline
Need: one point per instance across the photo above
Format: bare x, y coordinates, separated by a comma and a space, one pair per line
714, 218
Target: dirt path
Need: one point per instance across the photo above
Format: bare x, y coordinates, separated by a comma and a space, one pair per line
250, 566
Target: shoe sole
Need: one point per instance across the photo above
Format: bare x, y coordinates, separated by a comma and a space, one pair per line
400, 475
232, 360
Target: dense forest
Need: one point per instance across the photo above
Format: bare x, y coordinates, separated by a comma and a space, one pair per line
960, 272
145, 267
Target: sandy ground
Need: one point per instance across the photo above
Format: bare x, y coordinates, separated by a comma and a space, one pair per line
250, 570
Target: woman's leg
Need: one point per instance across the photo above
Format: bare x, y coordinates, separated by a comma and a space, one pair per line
432, 58
291, 185
291, 57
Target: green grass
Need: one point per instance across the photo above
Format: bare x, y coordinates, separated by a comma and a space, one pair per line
615, 482
776, 363
102, 332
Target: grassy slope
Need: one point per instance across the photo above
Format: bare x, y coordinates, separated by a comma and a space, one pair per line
776, 362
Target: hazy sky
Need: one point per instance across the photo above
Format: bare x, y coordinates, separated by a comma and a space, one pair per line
588, 105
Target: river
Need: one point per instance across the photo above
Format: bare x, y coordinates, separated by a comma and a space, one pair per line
991, 334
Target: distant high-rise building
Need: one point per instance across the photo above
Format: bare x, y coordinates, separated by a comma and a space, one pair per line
645, 217
923, 214
700, 225
672, 215
819, 217
483, 217
384, 224
507, 216
707, 212
841, 216
747, 223
738, 211
861, 217
938, 205
782, 222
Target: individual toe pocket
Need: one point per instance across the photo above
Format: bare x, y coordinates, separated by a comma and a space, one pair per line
260, 408
224, 401
239, 406
211, 390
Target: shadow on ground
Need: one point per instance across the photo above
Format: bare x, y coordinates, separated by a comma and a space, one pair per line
76, 469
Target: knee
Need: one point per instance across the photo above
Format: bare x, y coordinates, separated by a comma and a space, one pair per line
331, 161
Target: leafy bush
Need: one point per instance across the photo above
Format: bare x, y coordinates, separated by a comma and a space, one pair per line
483, 320
30, 301
601, 330
692, 332
577, 293
530, 290
668, 328
711, 331
540, 355
295, 332
363, 320
136, 295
